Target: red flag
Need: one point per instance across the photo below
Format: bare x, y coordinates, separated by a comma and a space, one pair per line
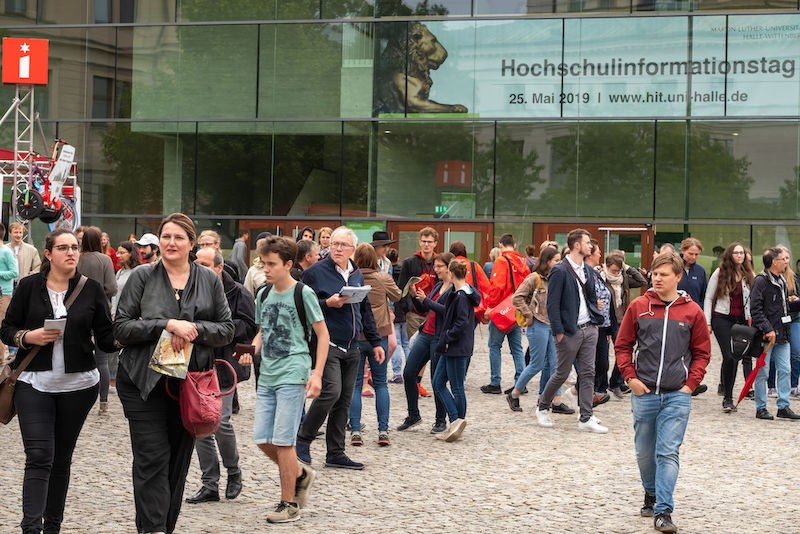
752, 376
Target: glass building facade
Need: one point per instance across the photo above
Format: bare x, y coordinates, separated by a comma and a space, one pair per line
651, 118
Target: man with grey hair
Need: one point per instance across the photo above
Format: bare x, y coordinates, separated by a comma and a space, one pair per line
307, 255
345, 322
243, 312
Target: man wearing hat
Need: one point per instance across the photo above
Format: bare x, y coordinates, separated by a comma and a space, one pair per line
381, 242
148, 248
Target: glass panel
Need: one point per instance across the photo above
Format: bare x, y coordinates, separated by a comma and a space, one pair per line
434, 169
102, 11
514, 7
769, 86
405, 8
154, 11
127, 168
18, 12
713, 236
123, 88
631, 244
356, 165
709, 40
408, 243
670, 170
307, 70
472, 240
340, 9
731, 5
744, 168
522, 232
212, 10
117, 228
61, 12
769, 236
233, 169
195, 71
363, 229
226, 228
306, 167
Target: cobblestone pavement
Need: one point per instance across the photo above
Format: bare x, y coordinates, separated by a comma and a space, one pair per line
505, 474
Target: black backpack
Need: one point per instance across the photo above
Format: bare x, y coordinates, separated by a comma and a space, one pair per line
310, 335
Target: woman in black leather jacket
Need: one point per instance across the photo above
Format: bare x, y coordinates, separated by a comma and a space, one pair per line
188, 301
57, 389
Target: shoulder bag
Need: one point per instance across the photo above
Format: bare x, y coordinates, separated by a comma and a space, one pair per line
504, 315
8, 379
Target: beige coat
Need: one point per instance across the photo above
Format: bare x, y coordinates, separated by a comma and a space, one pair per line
383, 287
28, 259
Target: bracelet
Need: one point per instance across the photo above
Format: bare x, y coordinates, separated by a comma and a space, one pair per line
628, 381
18, 339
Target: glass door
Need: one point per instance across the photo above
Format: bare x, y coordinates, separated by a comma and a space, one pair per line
288, 228
476, 237
636, 241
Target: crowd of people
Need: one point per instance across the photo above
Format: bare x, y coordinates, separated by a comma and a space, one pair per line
322, 318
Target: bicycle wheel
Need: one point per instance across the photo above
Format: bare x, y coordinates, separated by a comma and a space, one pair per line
33, 208
68, 219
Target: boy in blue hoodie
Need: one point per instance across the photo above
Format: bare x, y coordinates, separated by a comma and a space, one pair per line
455, 345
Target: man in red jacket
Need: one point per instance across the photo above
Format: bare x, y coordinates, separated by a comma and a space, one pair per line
673, 350
509, 271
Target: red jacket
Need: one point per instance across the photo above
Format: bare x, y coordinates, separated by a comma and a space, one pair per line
667, 356
500, 285
482, 287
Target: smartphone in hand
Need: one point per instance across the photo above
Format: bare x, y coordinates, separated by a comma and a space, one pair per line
242, 348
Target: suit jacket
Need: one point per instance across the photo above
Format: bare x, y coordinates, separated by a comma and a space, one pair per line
27, 259
563, 299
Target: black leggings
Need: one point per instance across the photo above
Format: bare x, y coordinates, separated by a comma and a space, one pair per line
721, 325
50, 424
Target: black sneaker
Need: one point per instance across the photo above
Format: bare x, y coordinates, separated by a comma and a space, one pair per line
489, 388
663, 523
343, 462
702, 388
408, 422
438, 427
561, 408
750, 395
727, 406
513, 403
764, 414
647, 508
523, 392
720, 390
787, 413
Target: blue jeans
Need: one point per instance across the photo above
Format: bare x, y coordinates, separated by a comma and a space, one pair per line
542, 349
659, 423
452, 369
780, 352
422, 350
514, 343
794, 349
378, 382
401, 334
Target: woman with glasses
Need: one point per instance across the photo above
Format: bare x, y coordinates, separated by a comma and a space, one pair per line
186, 302
58, 388
727, 303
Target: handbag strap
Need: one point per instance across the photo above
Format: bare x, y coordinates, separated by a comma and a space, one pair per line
35, 350
511, 275
578, 278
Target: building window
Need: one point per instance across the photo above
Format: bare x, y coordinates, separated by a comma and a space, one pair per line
16, 7
102, 96
102, 11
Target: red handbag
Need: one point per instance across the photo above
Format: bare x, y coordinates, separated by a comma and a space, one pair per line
504, 314
201, 401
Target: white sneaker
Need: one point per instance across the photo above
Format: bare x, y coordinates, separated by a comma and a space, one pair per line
455, 430
772, 393
592, 425
543, 418
568, 398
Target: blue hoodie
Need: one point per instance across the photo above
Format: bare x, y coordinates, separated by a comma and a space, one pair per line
345, 323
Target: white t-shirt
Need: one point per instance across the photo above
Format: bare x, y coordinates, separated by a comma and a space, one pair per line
57, 380
583, 311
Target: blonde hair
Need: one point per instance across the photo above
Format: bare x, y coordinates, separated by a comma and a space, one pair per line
788, 273
690, 242
494, 253
212, 234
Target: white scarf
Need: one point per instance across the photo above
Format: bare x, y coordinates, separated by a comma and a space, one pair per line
616, 284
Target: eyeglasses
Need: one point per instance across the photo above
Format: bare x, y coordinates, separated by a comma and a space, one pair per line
425, 242
204, 245
67, 248
341, 245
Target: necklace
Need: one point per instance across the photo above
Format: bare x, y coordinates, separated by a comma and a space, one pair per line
177, 293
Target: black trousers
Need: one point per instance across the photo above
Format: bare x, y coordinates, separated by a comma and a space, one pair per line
721, 325
338, 380
162, 451
50, 424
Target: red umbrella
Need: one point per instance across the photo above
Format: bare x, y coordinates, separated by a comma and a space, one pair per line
752, 376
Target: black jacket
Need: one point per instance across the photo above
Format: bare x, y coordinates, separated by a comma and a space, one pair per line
768, 303
414, 265
148, 302
458, 326
89, 314
438, 307
243, 314
563, 299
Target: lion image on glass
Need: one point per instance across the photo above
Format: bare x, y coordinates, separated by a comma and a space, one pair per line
420, 52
